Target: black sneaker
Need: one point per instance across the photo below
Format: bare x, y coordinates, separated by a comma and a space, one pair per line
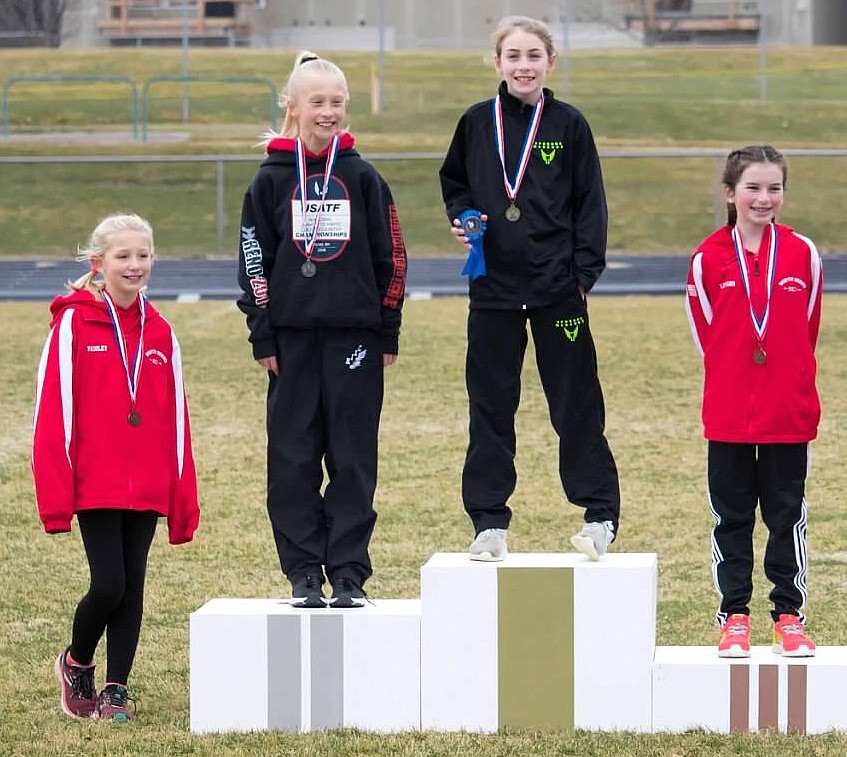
347, 593
307, 592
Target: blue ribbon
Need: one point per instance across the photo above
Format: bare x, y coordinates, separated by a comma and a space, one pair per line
474, 228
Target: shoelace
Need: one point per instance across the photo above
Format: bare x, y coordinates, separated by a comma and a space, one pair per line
116, 696
313, 582
791, 629
82, 682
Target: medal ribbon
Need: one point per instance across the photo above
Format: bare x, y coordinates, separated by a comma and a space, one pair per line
131, 375
759, 324
526, 149
300, 154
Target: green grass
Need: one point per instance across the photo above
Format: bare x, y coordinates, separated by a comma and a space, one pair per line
651, 376
633, 98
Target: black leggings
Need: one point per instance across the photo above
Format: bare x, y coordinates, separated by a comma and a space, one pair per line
116, 543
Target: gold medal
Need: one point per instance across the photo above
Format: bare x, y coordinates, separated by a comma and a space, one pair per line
513, 213
760, 357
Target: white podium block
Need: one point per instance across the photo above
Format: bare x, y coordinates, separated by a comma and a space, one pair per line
694, 688
260, 664
542, 641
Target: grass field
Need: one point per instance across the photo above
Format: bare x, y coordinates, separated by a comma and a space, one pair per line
651, 377
633, 99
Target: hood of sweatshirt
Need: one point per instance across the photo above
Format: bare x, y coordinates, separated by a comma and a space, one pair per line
89, 308
346, 141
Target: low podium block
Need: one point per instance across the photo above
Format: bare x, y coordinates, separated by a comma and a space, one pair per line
540, 641
694, 688
260, 664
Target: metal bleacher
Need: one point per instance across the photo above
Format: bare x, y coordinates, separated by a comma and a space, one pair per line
698, 21
162, 22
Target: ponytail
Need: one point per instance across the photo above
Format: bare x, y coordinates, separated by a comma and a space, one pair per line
305, 64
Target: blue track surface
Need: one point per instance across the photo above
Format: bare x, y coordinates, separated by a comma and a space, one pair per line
428, 277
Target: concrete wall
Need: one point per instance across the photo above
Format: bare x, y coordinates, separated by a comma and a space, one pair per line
410, 23
422, 24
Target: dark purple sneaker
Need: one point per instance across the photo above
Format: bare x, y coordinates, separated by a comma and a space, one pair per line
114, 704
77, 683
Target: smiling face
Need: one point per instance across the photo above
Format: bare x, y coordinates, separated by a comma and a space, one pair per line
523, 63
319, 106
125, 265
758, 195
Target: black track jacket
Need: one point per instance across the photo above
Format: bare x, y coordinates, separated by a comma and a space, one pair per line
560, 239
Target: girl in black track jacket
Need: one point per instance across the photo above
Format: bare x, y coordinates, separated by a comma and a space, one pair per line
323, 283
526, 165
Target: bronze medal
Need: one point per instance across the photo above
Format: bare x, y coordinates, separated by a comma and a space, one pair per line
134, 417
760, 357
308, 269
513, 213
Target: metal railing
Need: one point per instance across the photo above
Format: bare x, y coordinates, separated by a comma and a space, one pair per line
139, 101
74, 79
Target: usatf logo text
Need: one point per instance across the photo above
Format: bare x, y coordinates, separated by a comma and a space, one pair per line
570, 326
547, 150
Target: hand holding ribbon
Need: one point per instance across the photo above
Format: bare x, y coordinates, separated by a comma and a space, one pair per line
473, 227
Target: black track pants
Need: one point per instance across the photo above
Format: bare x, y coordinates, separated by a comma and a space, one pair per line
117, 543
567, 365
772, 476
323, 410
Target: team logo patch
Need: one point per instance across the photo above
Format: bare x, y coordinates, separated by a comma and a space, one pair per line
792, 284
156, 357
356, 358
548, 150
570, 327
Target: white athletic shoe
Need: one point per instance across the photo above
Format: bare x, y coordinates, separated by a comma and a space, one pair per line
594, 539
489, 545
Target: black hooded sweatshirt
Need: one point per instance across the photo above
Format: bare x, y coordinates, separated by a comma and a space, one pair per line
360, 255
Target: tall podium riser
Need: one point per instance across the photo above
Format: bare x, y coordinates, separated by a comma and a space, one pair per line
540, 641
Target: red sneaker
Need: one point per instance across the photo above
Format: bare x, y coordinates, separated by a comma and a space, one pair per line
735, 637
78, 697
790, 640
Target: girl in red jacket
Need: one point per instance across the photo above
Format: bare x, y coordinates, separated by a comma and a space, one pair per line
111, 445
754, 305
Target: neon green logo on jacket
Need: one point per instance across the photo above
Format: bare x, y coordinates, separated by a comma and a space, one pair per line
547, 150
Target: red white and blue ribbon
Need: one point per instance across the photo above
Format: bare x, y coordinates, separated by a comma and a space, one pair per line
760, 324
134, 372
310, 235
526, 149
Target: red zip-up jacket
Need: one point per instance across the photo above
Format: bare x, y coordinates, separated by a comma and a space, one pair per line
85, 453
777, 401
